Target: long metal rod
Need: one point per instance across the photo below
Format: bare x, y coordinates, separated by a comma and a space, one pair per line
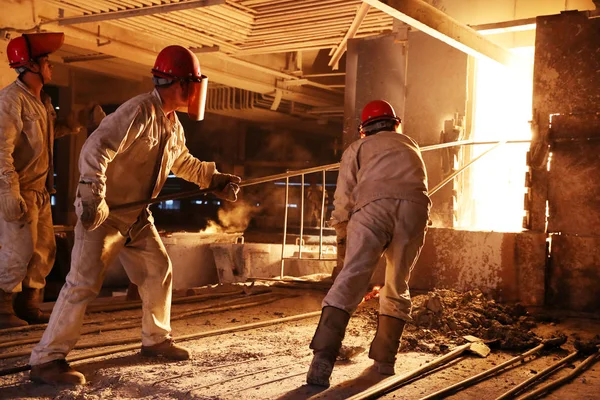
199, 335
440, 394
322, 217
291, 174
301, 216
556, 383
390, 384
548, 371
462, 169
285, 221
136, 12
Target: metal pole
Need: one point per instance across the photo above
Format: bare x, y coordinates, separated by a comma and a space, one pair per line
301, 216
322, 218
290, 174
462, 169
285, 220
521, 386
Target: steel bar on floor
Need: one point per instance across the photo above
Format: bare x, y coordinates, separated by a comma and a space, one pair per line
200, 335
558, 382
542, 374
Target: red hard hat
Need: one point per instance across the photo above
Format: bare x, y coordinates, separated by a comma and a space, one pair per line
29, 46
177, 62
377, 110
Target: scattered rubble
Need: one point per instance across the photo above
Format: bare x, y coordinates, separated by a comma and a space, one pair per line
443, 317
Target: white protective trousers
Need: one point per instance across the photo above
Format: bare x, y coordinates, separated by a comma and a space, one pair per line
392, 227
27, 246
147, 264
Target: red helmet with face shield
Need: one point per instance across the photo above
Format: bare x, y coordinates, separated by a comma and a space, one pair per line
29, 46
176, 63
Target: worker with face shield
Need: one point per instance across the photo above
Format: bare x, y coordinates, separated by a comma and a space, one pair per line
28, 127
128, 159
381, 207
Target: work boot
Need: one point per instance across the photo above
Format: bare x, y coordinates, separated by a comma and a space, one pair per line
386, 343
27, 306
8, 319
167, 349
326, 345
57, 372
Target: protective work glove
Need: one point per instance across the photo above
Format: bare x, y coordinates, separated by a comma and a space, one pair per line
341, 233
225, 186
90, 206
12, 206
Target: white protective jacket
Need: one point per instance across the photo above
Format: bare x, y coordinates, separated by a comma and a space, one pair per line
27, 133
384, 165
129, 156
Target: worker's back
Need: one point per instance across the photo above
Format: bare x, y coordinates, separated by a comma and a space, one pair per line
384, 165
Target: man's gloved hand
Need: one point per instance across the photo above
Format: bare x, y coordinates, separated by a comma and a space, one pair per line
225, 186
72, 123
90, 206
12, 206
341, 233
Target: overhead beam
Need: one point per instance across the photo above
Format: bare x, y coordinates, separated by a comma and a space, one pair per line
515, 25
215, 67
86, 57
436, 23
136, 12
361, 13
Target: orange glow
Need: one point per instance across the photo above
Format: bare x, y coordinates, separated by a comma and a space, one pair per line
503, 102
212, 227
372, 294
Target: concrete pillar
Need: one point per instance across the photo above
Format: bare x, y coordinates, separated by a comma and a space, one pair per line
375, 69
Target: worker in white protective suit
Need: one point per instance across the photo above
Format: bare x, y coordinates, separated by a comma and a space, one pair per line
128, 159
381, 207
28, 128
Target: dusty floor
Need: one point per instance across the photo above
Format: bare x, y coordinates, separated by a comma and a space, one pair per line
271, 362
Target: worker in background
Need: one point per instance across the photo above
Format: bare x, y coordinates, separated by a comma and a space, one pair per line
314, 197
28, 128
127, 159
381, 207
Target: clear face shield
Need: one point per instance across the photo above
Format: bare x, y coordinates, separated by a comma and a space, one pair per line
197, 98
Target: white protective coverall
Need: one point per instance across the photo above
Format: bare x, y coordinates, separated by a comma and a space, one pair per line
128, 157
382, 195
27, 133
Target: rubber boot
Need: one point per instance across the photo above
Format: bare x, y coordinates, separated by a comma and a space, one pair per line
326, 345
386, 343
8, 319
27, 306
57, 372
167, 349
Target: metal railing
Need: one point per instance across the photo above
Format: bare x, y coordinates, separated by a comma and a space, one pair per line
333, 167
323, 170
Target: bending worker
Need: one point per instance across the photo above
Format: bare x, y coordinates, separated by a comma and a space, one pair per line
381, 207
127, 159
28, 128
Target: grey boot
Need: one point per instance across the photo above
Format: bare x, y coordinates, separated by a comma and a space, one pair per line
326, 345
27, 306
386, 343
8, 319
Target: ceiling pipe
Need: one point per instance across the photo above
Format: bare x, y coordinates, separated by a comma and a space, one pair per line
341, 49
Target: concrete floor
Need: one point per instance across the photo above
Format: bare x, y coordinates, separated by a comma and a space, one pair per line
271, 362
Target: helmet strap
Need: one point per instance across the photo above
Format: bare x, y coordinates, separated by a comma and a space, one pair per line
378, 126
